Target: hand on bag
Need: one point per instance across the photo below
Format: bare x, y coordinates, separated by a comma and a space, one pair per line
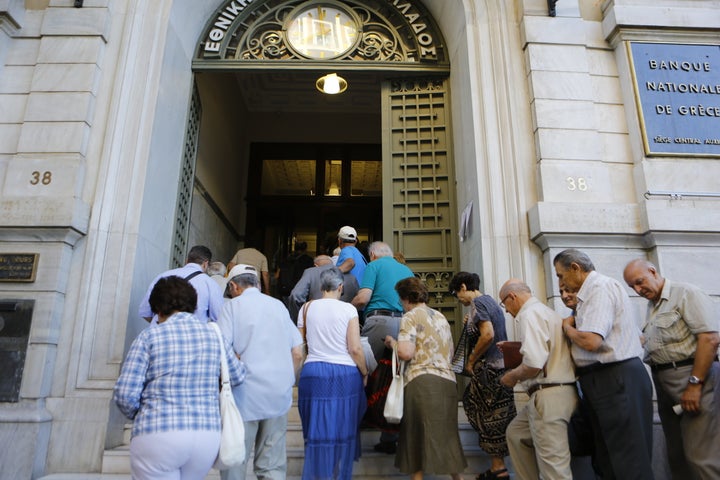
389, 341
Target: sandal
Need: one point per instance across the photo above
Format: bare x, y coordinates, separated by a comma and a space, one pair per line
490, 475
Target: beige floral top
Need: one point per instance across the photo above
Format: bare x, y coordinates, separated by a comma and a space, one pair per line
430, 331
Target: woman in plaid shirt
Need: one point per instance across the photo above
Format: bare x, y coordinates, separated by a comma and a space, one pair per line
169, 387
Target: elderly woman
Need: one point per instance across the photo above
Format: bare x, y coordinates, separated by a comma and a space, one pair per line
169, 386
429, 441
488, 404
331, 397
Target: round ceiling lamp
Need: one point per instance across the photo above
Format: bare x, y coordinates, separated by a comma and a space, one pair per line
331, 84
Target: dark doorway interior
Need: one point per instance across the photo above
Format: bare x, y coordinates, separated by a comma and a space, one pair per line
306, 192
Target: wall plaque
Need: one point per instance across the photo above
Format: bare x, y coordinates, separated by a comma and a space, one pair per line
677, 89
18, 267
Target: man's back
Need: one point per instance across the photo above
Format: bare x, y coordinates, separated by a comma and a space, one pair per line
604, 308
381, 275
209, 294
308, 288
262, 333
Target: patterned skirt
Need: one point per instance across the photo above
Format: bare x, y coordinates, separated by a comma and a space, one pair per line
490, 408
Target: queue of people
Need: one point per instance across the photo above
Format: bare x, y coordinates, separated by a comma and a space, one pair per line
595, 358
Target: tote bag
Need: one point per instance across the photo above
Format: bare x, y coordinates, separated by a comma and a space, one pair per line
394, 402
232, 436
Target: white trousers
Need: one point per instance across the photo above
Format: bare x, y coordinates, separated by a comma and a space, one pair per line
179, 455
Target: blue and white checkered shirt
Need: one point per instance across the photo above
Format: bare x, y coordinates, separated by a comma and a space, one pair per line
170, 378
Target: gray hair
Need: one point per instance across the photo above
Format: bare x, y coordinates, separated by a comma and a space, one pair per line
216, 268
572, 255
380, 249
246, 280
331, 279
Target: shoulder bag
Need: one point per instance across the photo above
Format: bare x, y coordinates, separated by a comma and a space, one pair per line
232, 439
394, 404
460, 357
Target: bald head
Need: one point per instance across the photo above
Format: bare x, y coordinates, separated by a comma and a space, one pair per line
321, 260
513, 295
643, 277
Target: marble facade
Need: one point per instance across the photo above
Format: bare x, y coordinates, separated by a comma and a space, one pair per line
547, 143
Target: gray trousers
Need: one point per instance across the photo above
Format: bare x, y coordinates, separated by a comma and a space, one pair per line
376, 328
270, 458
692, 440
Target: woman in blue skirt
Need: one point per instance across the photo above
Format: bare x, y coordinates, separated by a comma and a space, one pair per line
331, 395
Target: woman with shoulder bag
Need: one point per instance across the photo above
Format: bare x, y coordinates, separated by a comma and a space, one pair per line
331, 395
429, 441
488, 404
169, 386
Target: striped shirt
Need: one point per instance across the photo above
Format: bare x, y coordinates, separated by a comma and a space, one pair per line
170, 378
604, 308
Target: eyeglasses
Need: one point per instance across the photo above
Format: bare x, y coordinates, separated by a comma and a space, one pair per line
502, 300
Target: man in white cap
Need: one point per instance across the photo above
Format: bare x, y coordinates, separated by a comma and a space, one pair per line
350, 259
262, 334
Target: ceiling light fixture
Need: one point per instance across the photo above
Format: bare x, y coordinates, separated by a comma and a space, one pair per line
331, 84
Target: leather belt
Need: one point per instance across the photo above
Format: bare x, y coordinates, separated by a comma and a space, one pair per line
681, 363
593, 367
384, 313
542, 386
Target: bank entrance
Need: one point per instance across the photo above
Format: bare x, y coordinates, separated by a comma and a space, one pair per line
297, 163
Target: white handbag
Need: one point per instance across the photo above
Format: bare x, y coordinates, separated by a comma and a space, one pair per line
394, 403
232, 439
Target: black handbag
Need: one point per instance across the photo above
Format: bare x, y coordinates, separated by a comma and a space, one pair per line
462, 352
376, 391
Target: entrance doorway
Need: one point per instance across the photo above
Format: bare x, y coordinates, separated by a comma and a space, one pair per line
283, 162
306, 192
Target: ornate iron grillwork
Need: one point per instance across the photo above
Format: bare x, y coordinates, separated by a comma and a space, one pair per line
419, 212
257, 32
185, 187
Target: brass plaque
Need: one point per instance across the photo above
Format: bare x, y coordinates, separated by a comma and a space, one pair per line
18, 267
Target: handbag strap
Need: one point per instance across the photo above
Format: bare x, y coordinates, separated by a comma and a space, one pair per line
224, 370
398, 366
304, 312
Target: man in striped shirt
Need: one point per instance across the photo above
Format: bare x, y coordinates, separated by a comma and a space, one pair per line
605, 344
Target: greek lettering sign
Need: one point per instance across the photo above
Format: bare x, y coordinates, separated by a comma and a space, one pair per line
678, 94
18, 267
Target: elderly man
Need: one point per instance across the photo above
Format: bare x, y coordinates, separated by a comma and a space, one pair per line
538, 436
606, 349
681, 342
308, 287
383, 310
260, 330
209, 294
350, 258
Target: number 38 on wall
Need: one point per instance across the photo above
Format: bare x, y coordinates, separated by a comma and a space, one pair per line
44, 178
576, 183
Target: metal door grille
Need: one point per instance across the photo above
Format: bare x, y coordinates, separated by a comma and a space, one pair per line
185, 187
418, 200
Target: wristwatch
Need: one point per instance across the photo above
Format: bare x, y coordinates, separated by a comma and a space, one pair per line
693, 380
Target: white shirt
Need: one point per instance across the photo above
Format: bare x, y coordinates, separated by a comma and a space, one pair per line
544, 346
326, 333
604, 308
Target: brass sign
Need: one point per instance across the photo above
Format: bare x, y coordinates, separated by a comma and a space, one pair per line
18, 267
